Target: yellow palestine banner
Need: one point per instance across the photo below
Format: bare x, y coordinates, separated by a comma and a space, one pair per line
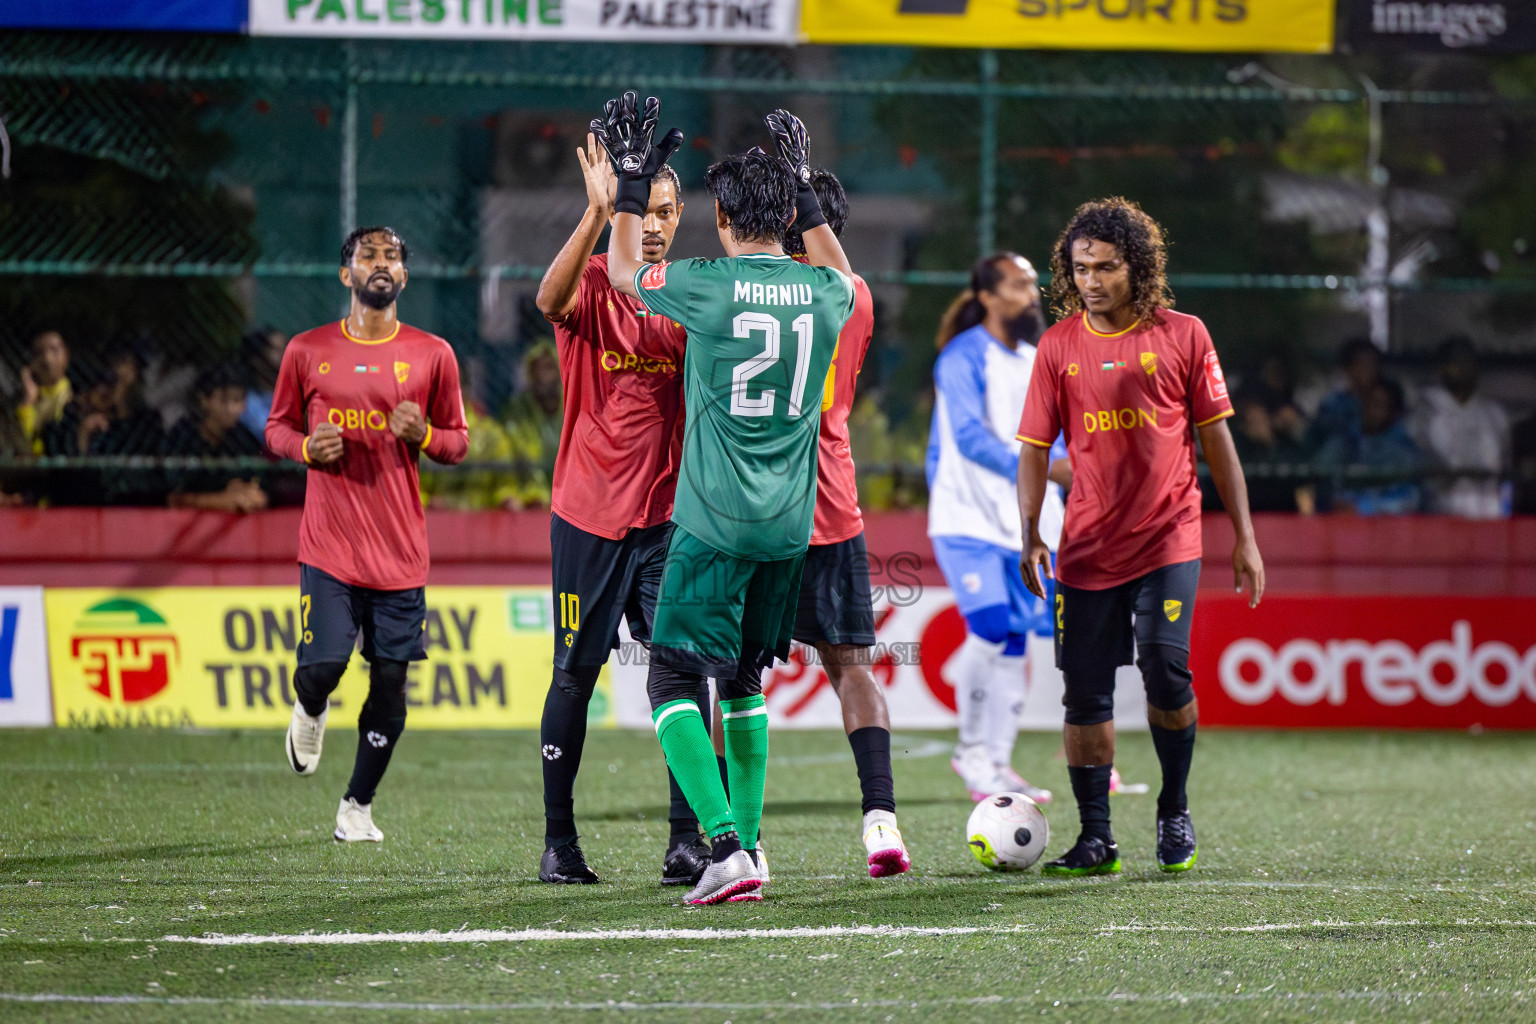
1296, 26
216, 657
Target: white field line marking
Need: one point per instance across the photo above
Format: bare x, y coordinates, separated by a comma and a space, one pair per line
628, 1006
583, 935
250, 766
1000, 880
465, 936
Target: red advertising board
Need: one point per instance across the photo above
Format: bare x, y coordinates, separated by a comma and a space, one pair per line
1428, 662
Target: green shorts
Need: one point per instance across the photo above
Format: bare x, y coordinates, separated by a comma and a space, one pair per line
717, 611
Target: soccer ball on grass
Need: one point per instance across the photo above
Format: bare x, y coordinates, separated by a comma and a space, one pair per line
1007, 832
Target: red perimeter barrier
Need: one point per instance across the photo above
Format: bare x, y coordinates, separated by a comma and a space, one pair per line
129, 547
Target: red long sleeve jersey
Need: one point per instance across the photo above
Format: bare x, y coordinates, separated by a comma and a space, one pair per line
837, 490
363, 522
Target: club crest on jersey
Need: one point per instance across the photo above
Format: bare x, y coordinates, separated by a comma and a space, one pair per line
1173, 609
402, 371
325, 368
1071, 369
1149, 362
655, 277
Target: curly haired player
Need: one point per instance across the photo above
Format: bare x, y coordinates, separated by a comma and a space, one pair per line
1130, 383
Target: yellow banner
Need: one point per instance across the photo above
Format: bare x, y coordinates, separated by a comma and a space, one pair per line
1295, 26
215, 657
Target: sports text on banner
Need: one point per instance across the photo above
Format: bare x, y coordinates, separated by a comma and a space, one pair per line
1298, 26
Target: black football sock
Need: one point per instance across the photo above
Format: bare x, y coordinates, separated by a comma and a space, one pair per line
1091, 787
1175, 749
723, 845
562, 736
379, 726
872, 755
313, 685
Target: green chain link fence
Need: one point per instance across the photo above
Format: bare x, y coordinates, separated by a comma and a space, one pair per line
169, 193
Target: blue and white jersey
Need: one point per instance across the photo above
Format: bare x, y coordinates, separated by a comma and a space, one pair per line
973, 451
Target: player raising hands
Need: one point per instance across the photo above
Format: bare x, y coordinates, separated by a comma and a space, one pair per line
761, 332
615, 475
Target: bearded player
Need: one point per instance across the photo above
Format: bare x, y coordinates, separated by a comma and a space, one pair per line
835, 613
360, 402
986, 355
1131, 383
761, 332
615, 476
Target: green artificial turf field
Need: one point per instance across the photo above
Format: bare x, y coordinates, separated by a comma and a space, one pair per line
1342, 877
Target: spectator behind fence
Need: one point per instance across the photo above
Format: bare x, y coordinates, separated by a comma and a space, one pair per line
1384, 445
213, 430
1338, 420
468, 489
534, 418
109, 416
45, 387
1523, 465
16, 484
1263, 448
1463, 431
1274, 390
263, 354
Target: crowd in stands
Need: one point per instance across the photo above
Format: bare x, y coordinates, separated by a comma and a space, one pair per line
1361, 444
77, 432
1372, 447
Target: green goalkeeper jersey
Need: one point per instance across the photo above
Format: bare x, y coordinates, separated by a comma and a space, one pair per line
762, 330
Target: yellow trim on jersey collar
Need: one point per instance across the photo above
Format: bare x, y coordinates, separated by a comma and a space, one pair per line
1101, 334
363, 341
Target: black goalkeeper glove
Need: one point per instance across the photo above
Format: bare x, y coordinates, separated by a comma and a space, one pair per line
625, 132
795, 150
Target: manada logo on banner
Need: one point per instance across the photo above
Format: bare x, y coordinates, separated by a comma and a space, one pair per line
124, 651
225, 656
1427, 662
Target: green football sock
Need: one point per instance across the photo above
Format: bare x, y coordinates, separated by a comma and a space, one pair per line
746, 761
685, 742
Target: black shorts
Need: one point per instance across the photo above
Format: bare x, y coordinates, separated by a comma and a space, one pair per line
1097, 630
835, 604
331, 613
598, 582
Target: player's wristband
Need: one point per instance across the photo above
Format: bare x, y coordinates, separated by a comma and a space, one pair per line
426, 438
808, 213
304, 451
633, 194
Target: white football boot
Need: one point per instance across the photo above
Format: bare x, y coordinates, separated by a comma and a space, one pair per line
1019, 784
723, 879
760, 858
974, 765
882, 841
354, 823
306, 735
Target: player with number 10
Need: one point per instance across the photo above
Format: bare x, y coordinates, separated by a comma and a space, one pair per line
762, 329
